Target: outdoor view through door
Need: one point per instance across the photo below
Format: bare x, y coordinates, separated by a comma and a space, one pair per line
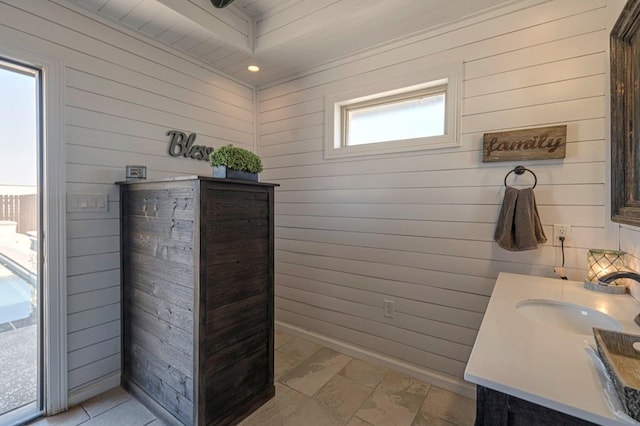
20, 335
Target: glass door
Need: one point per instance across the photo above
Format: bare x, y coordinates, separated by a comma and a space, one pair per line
20, 265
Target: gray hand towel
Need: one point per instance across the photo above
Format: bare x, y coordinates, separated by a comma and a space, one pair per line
519, 226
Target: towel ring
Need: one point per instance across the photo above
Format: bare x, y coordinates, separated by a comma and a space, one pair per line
520, 170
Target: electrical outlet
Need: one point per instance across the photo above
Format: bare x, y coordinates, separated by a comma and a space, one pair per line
561, 231
389, 309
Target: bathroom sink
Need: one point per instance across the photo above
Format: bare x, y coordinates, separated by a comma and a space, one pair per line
566, 316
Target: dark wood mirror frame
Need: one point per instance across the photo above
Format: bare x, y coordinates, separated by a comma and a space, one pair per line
625, 116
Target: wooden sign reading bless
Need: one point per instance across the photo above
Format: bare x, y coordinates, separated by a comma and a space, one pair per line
542, 143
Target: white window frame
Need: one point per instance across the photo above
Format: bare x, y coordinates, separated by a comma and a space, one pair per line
54, 292
448, 78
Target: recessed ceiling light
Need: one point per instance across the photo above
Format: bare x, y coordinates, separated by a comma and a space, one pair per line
253, 68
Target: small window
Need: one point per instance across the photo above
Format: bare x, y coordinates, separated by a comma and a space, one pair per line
419, 114
418, 117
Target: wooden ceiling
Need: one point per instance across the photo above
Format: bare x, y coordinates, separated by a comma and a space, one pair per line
283, 37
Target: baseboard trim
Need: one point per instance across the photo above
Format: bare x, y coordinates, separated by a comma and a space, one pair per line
94, 388
452, 384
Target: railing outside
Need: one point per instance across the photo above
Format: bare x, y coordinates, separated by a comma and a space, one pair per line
21, 209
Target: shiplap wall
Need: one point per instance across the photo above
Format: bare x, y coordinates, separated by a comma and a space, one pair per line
417, 228
122, 95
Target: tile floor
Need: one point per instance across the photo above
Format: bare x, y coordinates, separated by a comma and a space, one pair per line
115, 407
315, 386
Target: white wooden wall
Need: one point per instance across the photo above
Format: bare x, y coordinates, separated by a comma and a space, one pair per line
417, 228
122, 95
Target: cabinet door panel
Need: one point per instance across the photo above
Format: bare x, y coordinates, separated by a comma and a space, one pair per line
230, 282
225, 323
226, 358
235, 386
246, 251
237, 229
230, 209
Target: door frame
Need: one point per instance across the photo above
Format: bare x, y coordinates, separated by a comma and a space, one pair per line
53, 257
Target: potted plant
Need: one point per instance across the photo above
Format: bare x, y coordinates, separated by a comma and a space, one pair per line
231, 162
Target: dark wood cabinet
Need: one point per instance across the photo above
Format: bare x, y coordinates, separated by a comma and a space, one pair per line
197, 271
495, 408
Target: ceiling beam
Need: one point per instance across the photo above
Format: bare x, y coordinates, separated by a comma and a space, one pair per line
231, 26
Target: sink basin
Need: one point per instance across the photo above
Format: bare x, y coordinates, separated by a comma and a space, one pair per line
566, 316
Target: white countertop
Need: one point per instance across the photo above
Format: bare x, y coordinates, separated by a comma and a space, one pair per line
550, 367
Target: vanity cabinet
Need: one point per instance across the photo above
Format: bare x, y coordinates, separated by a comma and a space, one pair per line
197, 297
495, 408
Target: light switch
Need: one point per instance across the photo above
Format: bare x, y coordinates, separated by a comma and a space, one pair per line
89, 203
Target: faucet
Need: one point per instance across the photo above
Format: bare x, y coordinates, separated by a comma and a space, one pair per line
612, 276
608, 278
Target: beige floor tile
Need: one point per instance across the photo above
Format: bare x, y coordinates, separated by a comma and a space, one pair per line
395, 402
356, 421
398, 382
342, 396
278, 409
312, 413
101, 403
421, 420
450, 407
283, 363
299, 348
281, 338
316, 371
72, 417
363, 372
130, 413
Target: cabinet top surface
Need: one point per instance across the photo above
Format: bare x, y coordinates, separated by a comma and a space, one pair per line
196, 177
539, 363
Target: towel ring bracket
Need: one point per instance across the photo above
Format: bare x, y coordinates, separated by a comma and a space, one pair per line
519, 170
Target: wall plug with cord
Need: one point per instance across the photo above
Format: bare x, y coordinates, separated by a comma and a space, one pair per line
559, 270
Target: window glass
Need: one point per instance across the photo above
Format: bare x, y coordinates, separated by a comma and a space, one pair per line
417, 117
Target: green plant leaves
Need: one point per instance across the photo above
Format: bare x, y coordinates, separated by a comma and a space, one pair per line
236, 158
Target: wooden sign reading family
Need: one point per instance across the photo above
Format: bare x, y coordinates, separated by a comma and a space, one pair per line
542, 143
182, 145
